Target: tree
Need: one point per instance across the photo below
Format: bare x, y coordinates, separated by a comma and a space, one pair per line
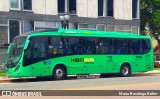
150, 17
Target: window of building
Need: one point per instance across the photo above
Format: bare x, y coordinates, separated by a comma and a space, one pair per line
135, 29
59, 25
100, 7
61, 6
110, 7
67, 6
110, 28
157, 58
123, 28
83, 25
91, 26
3, 35
135, 8
72, 6
28, 26
3, 31
44, 25
101, 27
87, 26
14, 29
15, 4
27, 4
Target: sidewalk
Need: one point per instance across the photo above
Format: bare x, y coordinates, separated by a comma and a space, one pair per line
5, 79
153, 72
9, 80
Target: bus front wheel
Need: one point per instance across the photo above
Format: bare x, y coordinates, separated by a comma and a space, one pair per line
59, 73
125, 70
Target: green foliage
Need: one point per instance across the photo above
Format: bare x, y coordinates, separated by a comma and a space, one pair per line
2, 74
157, 68
150, 17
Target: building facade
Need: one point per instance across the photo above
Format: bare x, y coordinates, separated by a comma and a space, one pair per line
21, 16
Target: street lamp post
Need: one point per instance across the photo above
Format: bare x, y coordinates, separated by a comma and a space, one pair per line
62, 20
65, 20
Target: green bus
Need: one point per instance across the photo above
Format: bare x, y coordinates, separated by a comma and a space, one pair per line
58, 53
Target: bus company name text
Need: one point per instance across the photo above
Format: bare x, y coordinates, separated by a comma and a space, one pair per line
85, 60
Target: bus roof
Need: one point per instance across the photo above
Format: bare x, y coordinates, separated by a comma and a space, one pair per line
74, 32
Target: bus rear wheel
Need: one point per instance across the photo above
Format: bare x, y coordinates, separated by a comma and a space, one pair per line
125, 70
59, 73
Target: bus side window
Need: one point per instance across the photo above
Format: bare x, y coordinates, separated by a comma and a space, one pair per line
113, 46
124, 47
72, 46
90, 47
135, 46
103, 46
145, 46
118, 46
55, 45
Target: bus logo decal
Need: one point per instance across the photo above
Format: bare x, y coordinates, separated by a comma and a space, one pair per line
47, 62
85, 60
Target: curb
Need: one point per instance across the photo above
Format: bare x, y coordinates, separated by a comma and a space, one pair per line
9, 80
6, 81
153, 72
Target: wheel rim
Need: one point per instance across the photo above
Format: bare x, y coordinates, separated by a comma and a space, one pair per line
125, 71
59, 73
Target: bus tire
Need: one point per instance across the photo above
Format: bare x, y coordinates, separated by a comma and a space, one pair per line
59, 73
125, 70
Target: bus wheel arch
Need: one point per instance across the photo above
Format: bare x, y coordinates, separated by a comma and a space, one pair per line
125, 70
59, 72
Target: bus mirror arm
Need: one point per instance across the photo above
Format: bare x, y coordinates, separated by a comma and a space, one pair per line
9, 47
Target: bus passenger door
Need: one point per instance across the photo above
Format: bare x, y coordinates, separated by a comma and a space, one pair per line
110, 64
39, 58
148, 65
148, 54
138, 64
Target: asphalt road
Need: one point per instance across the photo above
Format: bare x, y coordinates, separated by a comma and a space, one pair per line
136, 82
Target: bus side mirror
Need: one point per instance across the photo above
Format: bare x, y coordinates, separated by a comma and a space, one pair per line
9, 47
26, 46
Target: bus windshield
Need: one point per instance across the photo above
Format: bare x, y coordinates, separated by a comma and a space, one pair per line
15, 51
